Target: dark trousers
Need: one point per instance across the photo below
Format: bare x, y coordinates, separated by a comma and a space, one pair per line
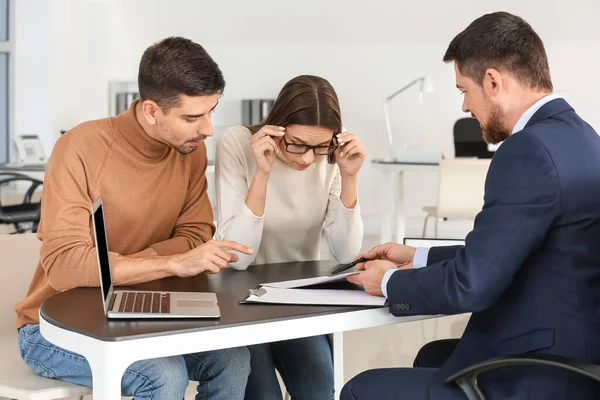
403, 383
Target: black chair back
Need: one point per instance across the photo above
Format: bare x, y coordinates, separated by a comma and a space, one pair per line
468, 139
24, 216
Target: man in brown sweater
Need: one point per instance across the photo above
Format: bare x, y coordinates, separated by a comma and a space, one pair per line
149, 165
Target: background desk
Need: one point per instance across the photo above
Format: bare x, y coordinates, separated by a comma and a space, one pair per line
37, 170
75, 320
391, 195
34, 171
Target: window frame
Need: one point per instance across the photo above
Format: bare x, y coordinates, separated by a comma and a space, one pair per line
8, 47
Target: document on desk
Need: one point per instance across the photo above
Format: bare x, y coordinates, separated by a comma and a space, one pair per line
295, 292
308, 281
315, 297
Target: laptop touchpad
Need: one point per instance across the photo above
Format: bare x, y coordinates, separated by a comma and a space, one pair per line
194, 303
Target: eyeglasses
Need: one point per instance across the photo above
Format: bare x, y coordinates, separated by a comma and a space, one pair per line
296, 148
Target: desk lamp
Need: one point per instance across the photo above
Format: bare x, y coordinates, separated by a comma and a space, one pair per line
404, 154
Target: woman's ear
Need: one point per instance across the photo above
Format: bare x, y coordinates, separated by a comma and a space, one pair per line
331, 158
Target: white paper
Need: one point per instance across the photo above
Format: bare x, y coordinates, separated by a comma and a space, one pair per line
308, 281
317, 297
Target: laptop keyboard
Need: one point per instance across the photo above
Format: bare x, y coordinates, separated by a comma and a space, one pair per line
140, 302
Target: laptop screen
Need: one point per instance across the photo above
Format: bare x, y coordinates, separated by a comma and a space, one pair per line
102, 249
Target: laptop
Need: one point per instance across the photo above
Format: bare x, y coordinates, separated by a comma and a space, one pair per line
140, 303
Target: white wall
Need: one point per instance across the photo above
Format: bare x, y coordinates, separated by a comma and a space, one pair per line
366, 50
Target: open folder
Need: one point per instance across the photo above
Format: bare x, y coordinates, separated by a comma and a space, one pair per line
295, 292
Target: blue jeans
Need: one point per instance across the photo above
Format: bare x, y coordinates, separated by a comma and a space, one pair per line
305, 365
221, 374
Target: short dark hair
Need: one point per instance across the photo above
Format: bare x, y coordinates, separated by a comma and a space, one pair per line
505, 42
176, 66
305, 100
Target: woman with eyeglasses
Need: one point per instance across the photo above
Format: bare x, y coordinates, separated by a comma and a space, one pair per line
281, 186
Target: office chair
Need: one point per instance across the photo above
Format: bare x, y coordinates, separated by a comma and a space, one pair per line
467, 378
460, 191
20, 254
24, 216
468, 139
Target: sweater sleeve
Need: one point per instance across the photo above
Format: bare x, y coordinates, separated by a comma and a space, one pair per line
194, 225
235, 220
343, 227
67, 255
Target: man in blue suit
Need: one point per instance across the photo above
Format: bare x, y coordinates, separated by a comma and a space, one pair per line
530, 269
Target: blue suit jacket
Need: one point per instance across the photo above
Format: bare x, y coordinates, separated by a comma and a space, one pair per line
530, 269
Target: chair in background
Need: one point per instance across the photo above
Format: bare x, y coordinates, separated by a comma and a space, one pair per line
468, 139
26, 215
460, 190
20, 255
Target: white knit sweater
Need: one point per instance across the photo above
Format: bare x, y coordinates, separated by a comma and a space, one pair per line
300, 207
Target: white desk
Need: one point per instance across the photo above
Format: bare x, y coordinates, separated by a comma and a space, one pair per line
37, 171
391, 195
33, 171
75, 320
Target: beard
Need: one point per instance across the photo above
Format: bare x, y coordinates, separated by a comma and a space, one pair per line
185, 150
494, 130
187, 147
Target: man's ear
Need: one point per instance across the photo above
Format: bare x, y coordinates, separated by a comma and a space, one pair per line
150, 110
493, 84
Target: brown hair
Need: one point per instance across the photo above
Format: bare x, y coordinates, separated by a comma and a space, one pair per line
505, 42
176, 66
305, 100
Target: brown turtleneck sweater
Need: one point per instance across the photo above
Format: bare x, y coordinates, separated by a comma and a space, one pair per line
155, 203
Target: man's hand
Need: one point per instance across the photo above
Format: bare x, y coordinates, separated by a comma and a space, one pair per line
209, 257
399, 254
372, 276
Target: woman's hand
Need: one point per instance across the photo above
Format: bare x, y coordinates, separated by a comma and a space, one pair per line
264, 146
350, 154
